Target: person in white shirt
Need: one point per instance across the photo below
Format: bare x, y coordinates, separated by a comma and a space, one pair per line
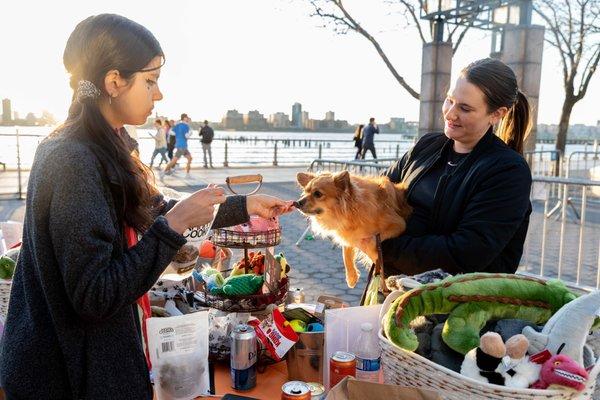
160, 143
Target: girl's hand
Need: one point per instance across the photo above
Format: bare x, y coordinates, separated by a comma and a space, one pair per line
195, 210
267, 206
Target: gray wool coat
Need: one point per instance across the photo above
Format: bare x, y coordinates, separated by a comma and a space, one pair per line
72, 330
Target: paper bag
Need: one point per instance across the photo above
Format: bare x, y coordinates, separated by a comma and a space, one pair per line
351, 389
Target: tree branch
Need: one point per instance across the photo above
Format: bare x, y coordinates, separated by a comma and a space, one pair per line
348, 22
588, 72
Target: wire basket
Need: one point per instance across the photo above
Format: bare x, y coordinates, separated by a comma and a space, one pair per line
246, 240
249, 303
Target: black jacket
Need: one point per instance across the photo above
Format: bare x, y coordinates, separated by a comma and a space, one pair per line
480, 212
71, 330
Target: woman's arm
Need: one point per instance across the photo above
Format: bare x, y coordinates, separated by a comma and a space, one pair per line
98, 281
492, 217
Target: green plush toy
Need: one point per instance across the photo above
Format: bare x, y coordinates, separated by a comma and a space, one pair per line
471, 300
242, 285
7, 267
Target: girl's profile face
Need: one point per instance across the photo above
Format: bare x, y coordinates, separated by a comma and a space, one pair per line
136, 102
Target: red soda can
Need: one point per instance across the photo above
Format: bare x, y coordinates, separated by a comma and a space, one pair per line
295, 390
341, 364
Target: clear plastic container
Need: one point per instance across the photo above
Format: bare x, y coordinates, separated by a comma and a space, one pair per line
368, 354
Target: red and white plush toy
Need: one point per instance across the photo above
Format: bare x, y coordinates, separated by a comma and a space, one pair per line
560, 370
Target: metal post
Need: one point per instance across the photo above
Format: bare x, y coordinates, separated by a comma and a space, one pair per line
275, 154
19, 167
225, 162
320, 151
397, 151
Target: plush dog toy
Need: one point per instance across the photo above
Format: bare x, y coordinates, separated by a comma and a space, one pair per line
519, 371
471, 300
484, 363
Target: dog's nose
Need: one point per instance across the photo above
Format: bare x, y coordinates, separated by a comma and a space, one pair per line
300, 202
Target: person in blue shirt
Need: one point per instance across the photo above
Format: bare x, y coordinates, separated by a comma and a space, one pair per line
368, 138
182, 132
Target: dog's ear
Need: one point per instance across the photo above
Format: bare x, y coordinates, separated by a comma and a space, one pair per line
303, 178
342, 180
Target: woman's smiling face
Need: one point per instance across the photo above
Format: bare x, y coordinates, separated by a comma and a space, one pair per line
466, 114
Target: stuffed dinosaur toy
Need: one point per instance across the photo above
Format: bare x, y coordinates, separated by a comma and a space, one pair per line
471, 300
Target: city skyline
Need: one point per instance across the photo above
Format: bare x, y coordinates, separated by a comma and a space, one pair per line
234, 54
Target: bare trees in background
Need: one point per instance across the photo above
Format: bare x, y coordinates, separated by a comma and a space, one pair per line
335, 15
573, 28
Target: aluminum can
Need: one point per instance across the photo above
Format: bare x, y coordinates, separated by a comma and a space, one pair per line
295, 295
317, 391
295, 390
243, 357
341, 364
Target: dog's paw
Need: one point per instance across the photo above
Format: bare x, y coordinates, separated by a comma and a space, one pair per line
352, 279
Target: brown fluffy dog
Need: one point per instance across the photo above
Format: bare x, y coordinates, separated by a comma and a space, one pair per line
352, 210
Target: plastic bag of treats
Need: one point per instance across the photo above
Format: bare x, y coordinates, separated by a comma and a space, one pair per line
178, 348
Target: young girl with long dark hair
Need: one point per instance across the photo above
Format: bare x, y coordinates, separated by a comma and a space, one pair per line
73, 329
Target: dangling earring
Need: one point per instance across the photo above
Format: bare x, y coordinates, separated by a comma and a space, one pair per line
109, 100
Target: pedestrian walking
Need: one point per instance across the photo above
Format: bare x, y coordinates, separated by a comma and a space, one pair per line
358, 142
170, 137
207, 135
368, 142
182, 132
160, 144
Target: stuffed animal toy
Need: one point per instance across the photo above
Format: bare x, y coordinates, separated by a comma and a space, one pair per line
519, 371
484, 363
240, 285
561, 370
568, 328
285, 267
471, 300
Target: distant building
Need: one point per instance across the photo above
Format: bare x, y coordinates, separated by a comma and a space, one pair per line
329, 116
313, 124
305, 119
30, 119
397, 125
233, 120
254, 120
6, 111
297, 115
279, 120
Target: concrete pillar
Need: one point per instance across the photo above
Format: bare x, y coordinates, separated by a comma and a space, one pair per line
522, 50
436, 67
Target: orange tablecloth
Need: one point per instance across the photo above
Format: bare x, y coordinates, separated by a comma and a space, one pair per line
268, 383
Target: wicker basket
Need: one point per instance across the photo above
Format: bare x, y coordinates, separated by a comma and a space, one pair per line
5, 285
406, 368
250, 303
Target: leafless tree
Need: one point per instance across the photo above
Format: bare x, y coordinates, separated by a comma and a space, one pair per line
573, 28
335, 15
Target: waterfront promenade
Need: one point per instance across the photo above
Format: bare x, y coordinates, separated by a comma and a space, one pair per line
317, 264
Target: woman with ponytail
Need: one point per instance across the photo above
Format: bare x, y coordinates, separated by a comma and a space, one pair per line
469, 186
73, 327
